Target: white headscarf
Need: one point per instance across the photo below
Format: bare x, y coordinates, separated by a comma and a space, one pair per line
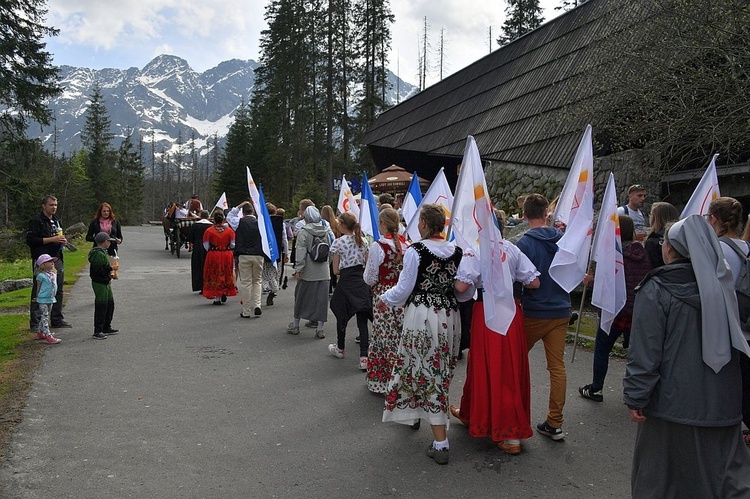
312, 215
694, 238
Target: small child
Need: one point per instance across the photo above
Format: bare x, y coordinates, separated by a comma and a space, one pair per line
101, 275
46, 289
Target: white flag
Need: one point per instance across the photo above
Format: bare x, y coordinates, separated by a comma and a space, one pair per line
346, 199
410, 206
706, 191
368, 213
222, 202
609, 285
440, 193
476, 230
261, 216
575, 209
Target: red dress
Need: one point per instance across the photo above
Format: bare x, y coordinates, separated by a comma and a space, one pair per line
496, 400
218, 269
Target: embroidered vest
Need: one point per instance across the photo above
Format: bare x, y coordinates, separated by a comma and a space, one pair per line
434, 286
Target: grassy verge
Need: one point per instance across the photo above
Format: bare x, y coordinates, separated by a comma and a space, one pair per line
20, 355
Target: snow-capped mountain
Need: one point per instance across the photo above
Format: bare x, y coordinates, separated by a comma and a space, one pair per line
166, 100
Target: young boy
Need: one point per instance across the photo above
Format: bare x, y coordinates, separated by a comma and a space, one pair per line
101, 275
46, 289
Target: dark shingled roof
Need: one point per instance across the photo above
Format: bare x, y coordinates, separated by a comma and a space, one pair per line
516, 101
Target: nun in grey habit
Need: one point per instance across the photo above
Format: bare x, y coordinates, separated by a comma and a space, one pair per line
682, 384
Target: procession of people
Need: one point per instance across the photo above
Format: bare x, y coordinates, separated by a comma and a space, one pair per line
686, 382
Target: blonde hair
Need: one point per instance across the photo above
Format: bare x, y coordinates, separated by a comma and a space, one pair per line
390, 220
349, 221
327, 214
434, 216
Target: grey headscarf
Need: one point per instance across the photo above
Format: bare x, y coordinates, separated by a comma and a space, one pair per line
694, 238
312, 215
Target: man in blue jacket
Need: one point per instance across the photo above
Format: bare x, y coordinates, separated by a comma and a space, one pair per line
546, 310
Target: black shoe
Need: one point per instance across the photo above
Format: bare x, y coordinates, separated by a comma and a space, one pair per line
553, 433
269, 300
100, 336
416, 425
61, 324
284, 286
223, 298
588, 392
110, 331
357, 340
573, 318
311, 324
257, 311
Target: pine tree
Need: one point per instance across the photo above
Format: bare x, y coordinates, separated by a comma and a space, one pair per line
96, 138
523, 16
231, 176
569, 4
129, 192
27, 77
374, 17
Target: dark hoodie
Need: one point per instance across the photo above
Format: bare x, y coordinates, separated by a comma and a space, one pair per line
549, 300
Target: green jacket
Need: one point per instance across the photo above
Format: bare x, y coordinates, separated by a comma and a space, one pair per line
100, 269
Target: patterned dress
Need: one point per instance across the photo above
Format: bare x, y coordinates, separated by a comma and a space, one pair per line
430, 339
386, 326
218, 269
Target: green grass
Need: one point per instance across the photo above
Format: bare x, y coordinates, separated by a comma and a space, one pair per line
15, 270
14, 330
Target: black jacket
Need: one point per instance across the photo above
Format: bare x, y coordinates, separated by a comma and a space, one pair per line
247, 239
40, 227
115, 232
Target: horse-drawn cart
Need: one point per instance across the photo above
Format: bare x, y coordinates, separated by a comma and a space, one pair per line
177, 234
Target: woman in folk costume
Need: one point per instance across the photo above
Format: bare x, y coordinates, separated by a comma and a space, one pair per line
384, 264
218, 268
496, 400
682, 382
431, 332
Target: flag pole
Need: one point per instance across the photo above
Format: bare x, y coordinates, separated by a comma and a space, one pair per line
580, 316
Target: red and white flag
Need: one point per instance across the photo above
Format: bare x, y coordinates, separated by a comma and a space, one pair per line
575, 209
706, 191
346, 199
440, 193
475, 228
609, 285
222, 202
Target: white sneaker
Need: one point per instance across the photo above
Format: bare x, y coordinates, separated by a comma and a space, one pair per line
334, 349
363, 363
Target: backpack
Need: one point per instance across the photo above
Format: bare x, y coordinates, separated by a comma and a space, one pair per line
742, 288
319, 249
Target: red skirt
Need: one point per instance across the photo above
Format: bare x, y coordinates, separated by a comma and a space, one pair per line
218, 274
496, 400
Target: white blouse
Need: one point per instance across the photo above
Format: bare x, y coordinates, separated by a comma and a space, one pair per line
398, 294
469, 270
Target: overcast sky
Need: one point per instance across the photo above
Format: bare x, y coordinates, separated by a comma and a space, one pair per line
126, 33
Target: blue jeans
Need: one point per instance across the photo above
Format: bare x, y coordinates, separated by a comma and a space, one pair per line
602, 348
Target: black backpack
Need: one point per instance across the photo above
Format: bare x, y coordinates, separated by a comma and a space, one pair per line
742, 288
319, 249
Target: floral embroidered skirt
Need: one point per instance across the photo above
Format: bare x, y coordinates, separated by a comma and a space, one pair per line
425, 360
496, 399
384, 343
